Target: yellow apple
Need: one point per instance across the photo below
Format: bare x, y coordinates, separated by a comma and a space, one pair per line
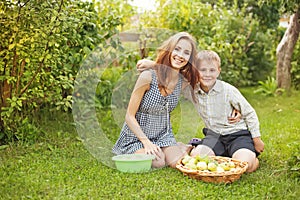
212, 166
220, 169
186, 159
231, 164
201, 165
225, 166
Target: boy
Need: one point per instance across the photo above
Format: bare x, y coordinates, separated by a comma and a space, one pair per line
216, 101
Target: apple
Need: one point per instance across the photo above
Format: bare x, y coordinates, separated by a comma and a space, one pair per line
220, 169
225, 166
198, 158
231, 164
193, 161
191, 165
201, 165
186, 159
212, 166
206, 159
202, 158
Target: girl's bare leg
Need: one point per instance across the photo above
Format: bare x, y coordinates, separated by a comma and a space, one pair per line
159, 160
173, 154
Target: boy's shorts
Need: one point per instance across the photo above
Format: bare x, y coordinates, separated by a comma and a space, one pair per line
226, 145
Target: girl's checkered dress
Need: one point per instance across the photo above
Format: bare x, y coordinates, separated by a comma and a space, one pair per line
153, 116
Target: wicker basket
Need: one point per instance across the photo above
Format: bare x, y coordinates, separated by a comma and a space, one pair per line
216, 177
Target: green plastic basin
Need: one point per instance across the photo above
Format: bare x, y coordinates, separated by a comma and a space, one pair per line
133, 163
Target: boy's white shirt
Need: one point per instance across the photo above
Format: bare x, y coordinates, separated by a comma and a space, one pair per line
217, 105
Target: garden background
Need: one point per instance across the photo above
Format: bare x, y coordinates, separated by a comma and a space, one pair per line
67, 68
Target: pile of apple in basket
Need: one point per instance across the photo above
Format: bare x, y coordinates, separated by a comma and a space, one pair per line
216, 169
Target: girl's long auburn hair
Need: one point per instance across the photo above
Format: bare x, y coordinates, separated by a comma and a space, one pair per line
163, 61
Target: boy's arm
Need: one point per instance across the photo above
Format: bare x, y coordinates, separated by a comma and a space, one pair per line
144, 64
248, 113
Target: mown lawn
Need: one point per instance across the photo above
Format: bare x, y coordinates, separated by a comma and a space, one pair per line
58, 166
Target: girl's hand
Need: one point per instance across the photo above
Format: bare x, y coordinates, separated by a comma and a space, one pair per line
235, 116
151, 148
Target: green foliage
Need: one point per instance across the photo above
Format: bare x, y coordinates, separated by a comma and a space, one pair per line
42, 45
295, 71
266, 14
115, 13
286, 6
244, 47
269, 87
109, 78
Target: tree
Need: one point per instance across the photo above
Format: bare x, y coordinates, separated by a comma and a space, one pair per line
267, 15
285, 50
268, 12
231, 31
286, 46
42, 44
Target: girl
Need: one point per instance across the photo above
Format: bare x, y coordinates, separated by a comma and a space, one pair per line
147, 128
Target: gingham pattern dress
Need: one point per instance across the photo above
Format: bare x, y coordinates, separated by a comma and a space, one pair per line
153, 116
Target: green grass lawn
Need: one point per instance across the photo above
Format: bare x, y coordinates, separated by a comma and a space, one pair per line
59, 166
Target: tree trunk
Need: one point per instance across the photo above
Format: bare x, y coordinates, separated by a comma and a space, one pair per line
5, 89
284, 52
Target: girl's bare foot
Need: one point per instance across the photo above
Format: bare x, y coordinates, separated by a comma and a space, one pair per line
185, 147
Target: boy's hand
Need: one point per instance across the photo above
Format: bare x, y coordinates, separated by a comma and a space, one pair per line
258, 144
235, 116
144, 64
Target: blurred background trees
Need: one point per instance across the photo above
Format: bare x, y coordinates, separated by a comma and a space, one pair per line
42, 46
45, 42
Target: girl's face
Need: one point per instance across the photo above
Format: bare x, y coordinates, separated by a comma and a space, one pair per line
181, 54
209, 72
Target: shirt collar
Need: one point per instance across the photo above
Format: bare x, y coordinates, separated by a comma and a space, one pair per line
216, 88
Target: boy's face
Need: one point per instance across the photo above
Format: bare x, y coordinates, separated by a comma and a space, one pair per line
209, 72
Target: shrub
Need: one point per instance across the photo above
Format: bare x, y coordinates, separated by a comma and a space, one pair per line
269, 87
42, 45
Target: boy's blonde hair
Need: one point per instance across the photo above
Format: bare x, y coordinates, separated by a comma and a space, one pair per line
208, 55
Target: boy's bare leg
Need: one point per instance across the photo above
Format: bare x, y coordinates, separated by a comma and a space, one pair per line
202, 150
248, 156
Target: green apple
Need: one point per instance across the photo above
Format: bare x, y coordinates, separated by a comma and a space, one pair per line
191, 165
231, 164
201, 165
225, 166
205, 159
193, 161
186, 159
212, 166
198, 158
220, 169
